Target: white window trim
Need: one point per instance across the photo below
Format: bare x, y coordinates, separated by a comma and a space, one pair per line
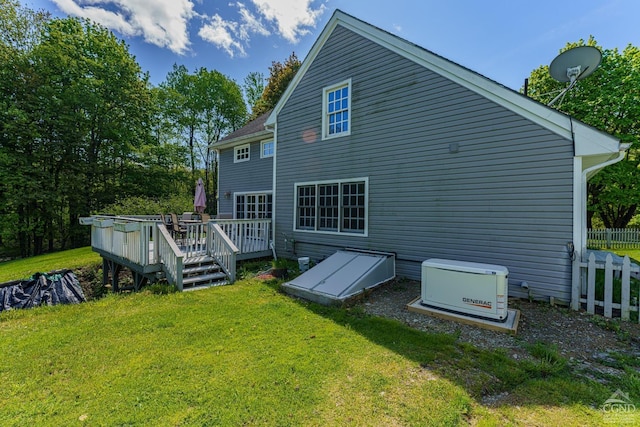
250, 193
339, 182
325, 116
262, 144
237, 149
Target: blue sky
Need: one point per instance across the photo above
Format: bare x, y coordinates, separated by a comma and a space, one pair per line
500, 39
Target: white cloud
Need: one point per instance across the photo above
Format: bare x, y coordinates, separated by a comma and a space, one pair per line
292, 17
160, 22
221, 33
250, 24
165, 22
233, 36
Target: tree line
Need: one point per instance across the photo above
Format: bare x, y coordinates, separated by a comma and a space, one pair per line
82, 131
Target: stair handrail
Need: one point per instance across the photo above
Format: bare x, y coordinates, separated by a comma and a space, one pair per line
170, 256
222, 249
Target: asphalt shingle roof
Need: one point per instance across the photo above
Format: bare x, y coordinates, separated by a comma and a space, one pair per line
254, 126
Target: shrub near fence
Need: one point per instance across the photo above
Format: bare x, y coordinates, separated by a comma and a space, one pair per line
614, 238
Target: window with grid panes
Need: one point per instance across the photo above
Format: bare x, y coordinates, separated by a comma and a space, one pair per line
353, 209
338, 207
266, 149
254, 206
337, 106
328, 207
306, 200
241, 153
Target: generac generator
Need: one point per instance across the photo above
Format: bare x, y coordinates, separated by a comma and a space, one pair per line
473, 289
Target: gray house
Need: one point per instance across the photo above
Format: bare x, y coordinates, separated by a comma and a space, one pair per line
382, 145
245, 173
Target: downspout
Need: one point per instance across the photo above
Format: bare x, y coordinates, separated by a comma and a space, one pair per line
217, 151
272, 242
594, 168
582, 238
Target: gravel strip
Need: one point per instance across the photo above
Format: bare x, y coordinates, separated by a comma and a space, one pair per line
579, 337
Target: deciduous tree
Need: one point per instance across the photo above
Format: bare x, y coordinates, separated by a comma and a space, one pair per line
253, 88
203, 107
608, 100
280, 75
75, 112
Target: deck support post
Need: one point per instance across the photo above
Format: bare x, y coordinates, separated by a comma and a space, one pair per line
105, 271
139, 280
112, 268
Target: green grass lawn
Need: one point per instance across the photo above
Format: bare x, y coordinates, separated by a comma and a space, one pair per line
23, 268
246, 354
634, 254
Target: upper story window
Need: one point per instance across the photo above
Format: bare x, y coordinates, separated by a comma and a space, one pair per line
241, 153
336, 107
266, 149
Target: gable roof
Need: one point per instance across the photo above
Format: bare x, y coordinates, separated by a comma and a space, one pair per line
588, 141
254, 130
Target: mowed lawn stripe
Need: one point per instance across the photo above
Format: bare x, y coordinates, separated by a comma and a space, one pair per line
241, 354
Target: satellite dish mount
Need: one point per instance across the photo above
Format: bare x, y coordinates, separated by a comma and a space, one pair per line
573, 65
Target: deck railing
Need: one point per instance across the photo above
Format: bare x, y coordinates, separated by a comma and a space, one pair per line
145, 241
194, 240
222, 249
171, 256
128, 238
249, 235
101, 233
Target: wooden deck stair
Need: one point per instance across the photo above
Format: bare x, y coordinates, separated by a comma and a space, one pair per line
144, 245
202, 272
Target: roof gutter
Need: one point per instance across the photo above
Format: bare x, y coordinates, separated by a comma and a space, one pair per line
590, 171
267, 133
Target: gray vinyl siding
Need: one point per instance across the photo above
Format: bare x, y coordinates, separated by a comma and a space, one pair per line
505, 197
255, 175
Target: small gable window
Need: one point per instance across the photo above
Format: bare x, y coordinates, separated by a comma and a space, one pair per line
266, 149
336, 106
242, 153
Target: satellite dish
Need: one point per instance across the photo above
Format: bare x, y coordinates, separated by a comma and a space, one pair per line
573, 65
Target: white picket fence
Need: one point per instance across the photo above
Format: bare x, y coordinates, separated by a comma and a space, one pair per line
612, 272
613, 238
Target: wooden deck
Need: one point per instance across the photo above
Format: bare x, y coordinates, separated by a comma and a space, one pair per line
205, 255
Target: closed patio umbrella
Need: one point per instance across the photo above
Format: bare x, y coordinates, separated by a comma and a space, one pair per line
200, 199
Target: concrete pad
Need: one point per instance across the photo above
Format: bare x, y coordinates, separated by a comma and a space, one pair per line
510, 325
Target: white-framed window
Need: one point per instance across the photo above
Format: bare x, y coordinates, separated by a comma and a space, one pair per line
253, 205
333, 206
266, 149
336, 110
242, 153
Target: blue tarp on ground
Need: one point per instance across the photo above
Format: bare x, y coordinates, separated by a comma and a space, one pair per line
60, 287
